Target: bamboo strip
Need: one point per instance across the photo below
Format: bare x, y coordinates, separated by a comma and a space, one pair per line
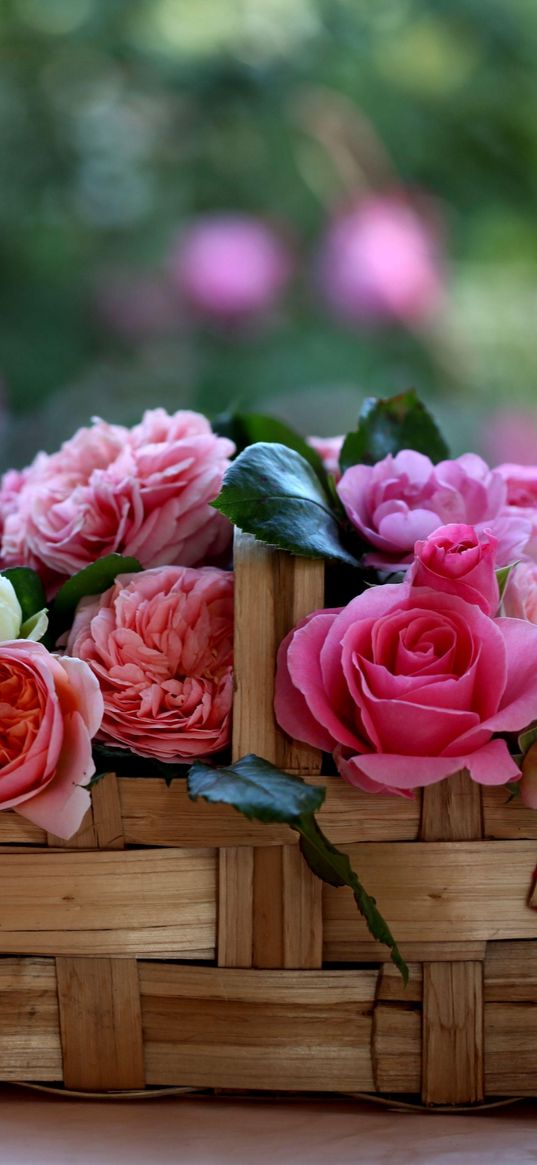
106, 805
135, 902
452, 1016
302, 912
452, 1033
30, 1046
14, 829
469, 891
396, 1048
268, 906
269, 1030
451, 810
272, 592
236, 907
369, 951
505, 817
101, 1024
156, 814
511, 972
511, 1049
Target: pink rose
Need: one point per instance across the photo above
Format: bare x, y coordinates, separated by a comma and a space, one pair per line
520, 597
51, 708
521, 484
406, 686
230, 266
380, 261
329, 450
402, 499
144, 491
10, 487
457, 560
161, 646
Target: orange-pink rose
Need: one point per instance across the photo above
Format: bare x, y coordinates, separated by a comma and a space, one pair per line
50, 709
161, 646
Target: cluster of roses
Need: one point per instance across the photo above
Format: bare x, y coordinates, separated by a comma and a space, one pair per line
415, 680
408, 683
148, 664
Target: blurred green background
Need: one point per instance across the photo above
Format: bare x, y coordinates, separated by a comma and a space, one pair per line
121, 121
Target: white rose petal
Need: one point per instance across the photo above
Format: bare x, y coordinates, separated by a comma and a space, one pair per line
35, 627
10, 611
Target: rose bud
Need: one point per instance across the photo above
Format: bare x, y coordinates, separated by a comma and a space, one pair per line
458, 560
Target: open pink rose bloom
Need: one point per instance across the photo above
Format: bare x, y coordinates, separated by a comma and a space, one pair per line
50, 710
144, 491
407, 685
160, 643
404, 498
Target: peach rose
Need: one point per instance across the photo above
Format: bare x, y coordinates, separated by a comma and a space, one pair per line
51, 708
160, 644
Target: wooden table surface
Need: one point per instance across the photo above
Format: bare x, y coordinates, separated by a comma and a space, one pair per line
36, 1129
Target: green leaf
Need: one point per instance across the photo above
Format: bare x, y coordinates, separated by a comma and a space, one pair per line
502, 576
28, 589
125, 763
388, 426
250, 428
92, 580
527, 738
334, 867
272, 492
263, 793
256, 788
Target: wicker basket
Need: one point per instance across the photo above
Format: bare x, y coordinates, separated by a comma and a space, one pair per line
178, 944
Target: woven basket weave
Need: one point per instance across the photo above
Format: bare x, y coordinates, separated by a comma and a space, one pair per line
172, 943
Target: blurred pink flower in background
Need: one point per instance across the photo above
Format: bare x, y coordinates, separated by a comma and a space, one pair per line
230, 267
381, 262
137, 306
508, 435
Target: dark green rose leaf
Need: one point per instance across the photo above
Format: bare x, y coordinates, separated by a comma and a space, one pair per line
125, 763
387, 426
256, 788
334, 867
28, 589
250, 428
92, 580
262, 792
272, 492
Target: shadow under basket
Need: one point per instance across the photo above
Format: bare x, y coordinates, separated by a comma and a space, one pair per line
177, 944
